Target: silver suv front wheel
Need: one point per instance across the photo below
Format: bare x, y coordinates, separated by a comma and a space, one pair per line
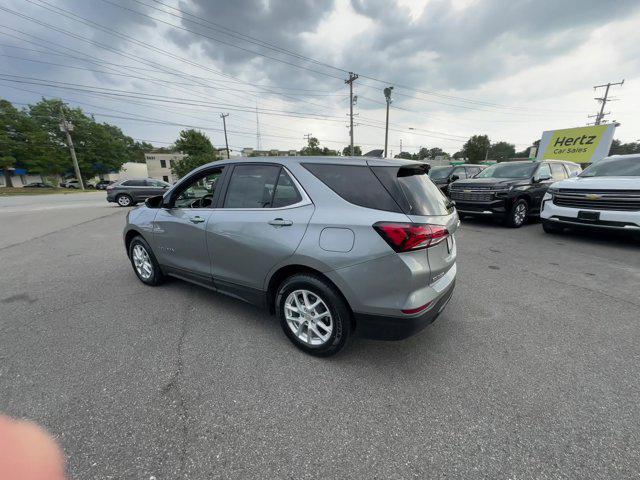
144, 262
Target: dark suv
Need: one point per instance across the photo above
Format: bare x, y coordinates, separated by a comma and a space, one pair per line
134, 190
443, 176
510, 191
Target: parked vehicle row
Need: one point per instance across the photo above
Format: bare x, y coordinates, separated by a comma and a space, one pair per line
510, 191
296, 237
606, 195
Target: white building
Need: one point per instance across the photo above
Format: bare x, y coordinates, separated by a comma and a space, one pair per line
159, 165
128, 170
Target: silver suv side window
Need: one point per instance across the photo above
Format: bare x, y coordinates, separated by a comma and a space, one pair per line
199, 193
260, 186
286, 192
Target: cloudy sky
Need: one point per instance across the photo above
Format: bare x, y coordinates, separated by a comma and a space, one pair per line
508, 69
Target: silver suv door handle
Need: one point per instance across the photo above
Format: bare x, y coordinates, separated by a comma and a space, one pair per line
279, 222
196, 219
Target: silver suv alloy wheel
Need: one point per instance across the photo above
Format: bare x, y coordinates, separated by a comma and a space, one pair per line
142, 262
308, 317
124, 201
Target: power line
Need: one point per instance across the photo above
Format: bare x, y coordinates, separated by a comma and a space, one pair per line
102, 91
218, 40
258, 53
78, 18
235, 34
151, 120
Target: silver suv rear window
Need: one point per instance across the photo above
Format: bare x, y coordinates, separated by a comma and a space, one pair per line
354, 183
413, 190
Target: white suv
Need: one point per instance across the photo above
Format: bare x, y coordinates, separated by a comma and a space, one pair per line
606, 195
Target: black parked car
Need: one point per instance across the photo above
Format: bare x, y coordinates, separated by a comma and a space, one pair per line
129, 192
510, 191
103, 184
445, 175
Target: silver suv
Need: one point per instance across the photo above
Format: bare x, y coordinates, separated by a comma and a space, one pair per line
333, 246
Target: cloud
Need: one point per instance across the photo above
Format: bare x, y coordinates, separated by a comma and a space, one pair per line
474, 44
276, 22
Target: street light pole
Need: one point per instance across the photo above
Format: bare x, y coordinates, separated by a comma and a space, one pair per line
387, 96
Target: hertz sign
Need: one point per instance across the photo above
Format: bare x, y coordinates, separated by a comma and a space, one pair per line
580, 145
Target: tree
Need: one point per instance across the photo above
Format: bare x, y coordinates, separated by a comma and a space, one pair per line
313, 148
436, 152
138, 149
502, 151
198, 148
357, 151
476, 148
619, 148
194, 142
423, 153
30, 138
100, 147
405, 155
189, 163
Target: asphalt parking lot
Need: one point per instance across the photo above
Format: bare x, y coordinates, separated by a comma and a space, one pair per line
530, 372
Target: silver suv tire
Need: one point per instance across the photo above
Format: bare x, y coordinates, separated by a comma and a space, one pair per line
321, 325
144, 262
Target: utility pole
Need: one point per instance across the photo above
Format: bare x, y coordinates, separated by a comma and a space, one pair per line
599, 117
387, 96
224, 124
400, 145
66, 127
352, 78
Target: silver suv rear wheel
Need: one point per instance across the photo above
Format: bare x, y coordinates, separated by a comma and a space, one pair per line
313, 314
308, 317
